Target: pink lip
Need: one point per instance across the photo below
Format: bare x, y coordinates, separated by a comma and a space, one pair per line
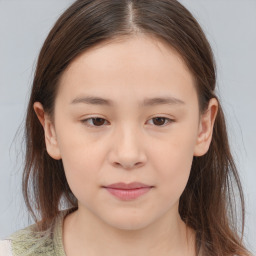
128, 191
132, 185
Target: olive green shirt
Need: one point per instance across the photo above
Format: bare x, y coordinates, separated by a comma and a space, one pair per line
24, 242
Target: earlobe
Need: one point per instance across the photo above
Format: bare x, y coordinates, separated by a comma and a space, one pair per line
206, 128
49, 131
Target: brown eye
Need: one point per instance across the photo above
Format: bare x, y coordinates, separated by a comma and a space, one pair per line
96, 121
161, 121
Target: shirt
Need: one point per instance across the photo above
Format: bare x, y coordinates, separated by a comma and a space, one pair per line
24, 242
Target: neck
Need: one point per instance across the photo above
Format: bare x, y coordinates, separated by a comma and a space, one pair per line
84, 232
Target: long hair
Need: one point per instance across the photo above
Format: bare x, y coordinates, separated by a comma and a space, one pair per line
207, 204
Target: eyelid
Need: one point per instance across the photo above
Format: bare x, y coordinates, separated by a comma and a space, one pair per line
169, 121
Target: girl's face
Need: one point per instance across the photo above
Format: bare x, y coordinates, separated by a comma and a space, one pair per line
129, 143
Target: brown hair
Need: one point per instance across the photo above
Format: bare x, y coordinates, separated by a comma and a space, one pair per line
207, 203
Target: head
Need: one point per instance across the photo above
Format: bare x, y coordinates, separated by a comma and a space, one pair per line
130, 143
129, 52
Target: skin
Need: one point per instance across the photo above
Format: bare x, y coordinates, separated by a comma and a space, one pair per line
127, 146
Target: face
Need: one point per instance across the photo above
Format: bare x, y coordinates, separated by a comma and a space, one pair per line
133, 139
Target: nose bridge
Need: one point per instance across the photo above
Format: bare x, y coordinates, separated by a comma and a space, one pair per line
128, 135
127, 145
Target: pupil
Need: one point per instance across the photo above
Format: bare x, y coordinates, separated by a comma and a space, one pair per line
160, 118
98, 120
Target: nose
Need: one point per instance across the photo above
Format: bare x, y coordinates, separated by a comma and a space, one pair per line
128, 151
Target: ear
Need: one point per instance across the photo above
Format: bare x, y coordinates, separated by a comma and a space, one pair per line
206, 128
49, 131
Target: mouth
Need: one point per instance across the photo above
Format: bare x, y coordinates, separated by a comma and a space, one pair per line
133, 185
129, 191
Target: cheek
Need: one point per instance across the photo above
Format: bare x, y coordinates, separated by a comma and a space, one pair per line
80, 164
78, 171
174, 163
174, 174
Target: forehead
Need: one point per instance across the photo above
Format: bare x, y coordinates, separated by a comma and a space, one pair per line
138, 66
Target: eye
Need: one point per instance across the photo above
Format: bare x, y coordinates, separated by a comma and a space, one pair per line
161, 120
95, 120
98, 121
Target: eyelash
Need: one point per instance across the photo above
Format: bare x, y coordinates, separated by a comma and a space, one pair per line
85, 121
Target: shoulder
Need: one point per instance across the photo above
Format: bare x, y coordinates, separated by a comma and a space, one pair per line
27, 241
5, 248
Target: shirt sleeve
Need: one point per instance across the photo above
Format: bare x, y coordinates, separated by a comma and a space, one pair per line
5, 248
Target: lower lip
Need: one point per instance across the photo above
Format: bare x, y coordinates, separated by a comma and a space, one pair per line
128, 194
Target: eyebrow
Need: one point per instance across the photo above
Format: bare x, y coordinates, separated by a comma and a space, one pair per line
92, 100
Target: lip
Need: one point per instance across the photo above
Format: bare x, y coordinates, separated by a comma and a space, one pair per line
133, 185
129, 191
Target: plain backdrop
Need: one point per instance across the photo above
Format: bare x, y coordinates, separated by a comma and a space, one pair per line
230, 26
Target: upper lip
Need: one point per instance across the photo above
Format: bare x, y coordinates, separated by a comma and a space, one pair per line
132, 185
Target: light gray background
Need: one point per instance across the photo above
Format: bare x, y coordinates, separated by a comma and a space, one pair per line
230, 26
